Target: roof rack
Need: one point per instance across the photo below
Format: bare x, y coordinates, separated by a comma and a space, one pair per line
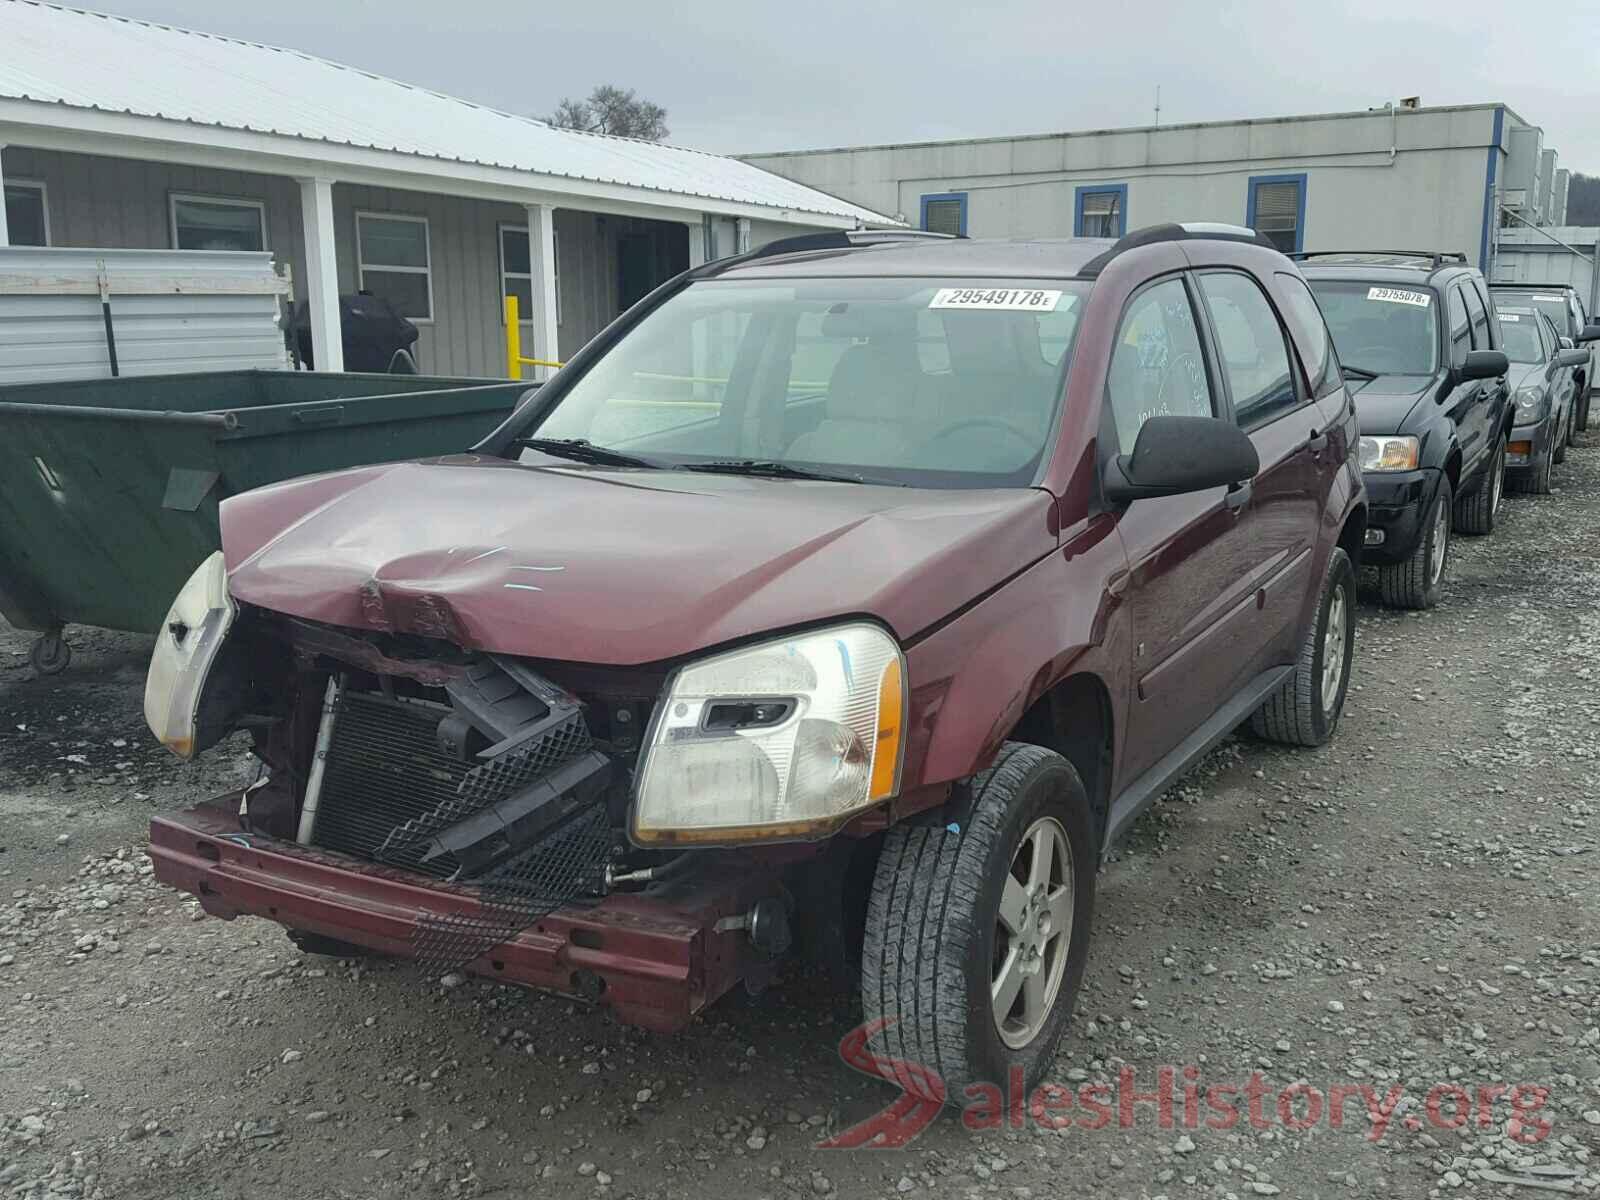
832, 239
1437, 258
1509, 285
1187, 231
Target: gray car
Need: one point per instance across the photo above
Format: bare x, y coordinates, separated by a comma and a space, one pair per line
1543, 383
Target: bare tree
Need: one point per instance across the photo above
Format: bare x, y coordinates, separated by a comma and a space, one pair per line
613, 110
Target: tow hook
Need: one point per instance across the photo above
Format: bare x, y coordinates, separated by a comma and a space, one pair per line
766, 924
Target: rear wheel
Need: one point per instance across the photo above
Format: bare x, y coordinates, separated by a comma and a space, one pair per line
977, 932
1476, 513
1415, 582
1305, 710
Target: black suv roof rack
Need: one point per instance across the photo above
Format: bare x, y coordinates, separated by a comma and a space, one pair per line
1187, 231
1371, 258
843, 239
1509, 285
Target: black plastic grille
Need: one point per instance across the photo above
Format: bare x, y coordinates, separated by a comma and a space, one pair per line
570, 862
388, 786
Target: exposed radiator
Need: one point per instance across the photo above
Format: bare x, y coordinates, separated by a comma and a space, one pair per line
384, 767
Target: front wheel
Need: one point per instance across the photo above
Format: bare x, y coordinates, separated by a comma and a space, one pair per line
1415, 582
1305, 710
977, 932
1476, 513
1563, 439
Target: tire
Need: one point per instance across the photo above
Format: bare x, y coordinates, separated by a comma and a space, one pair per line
49, 654
1559, 455
1415, 583
1475, 513
1535, 481
1305, 710
1583, 408
933, 926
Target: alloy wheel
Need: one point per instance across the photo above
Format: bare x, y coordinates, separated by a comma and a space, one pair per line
1333, 644
1441, 542
1033, 933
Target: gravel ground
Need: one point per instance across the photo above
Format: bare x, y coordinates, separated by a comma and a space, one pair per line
1414, 905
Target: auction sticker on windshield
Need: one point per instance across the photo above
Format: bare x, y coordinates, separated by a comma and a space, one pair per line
997, 299
1399, 296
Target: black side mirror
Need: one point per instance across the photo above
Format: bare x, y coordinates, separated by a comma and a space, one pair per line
1572, 358
1485, 364
1175, 455
1590, 333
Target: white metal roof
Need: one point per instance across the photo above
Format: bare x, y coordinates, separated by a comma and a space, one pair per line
110, 64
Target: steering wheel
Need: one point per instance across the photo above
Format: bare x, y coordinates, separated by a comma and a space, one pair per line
992, 422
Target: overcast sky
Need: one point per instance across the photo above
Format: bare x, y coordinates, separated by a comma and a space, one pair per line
811, 73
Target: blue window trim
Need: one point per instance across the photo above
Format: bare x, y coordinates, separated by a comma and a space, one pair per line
933, 196
1300, 208
1489, 214
1091, 189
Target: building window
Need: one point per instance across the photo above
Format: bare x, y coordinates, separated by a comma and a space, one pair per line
1100, 210
1277, 210
27, 217
945, 212
516, 276
213, 223
392, 262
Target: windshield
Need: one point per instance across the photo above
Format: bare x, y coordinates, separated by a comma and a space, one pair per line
1519, 329
929, 382
1386, 330
1551, 304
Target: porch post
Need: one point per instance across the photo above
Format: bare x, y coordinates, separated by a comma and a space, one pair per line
322, 274
742, 245
545, 341
5, 236
697, 241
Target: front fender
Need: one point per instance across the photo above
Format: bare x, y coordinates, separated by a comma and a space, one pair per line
974, 677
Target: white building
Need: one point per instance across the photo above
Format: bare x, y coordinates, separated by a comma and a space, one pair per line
1398, 177
122, 133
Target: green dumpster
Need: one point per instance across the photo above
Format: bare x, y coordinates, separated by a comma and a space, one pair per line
109, 487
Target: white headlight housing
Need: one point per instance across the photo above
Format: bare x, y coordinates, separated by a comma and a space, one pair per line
782, 741
186, 646
1531, 399
1389, 453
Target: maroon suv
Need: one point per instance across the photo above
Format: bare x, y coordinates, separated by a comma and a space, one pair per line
844, 599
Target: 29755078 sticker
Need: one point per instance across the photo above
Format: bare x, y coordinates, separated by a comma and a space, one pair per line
997, 299
1399, 296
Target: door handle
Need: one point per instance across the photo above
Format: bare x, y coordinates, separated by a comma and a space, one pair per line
1318, 442
1238, 496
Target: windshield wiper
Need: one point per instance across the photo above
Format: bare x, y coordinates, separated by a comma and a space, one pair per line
772, 469
1358, 372
583, 450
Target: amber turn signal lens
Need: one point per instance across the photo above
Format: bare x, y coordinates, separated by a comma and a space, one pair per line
891, 723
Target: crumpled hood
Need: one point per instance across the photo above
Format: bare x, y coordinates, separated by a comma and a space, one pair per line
613, 566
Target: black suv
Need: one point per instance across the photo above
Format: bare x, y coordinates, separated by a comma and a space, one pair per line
1565, 308
1434, 407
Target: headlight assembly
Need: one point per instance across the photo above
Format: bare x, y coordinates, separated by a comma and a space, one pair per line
1531, 402
781, 741
186, 646
1389, 453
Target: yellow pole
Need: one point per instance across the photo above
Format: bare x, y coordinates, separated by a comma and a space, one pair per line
513, 340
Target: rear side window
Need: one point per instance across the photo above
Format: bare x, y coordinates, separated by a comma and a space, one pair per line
1255, 357
1305, 318
1157, 369
1460, 330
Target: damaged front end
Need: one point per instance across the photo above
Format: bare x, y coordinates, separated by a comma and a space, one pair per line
468, 810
